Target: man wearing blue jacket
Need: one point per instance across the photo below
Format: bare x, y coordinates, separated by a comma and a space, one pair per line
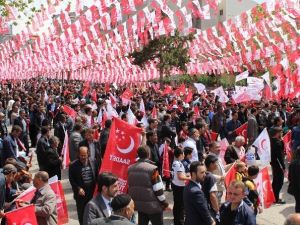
235, 211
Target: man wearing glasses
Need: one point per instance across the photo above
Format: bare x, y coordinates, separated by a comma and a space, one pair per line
235, 211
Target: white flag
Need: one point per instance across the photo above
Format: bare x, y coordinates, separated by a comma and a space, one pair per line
131, 117
206, 12
263, 145
200, 87
266, 78
65, 152
242, 76
142, 106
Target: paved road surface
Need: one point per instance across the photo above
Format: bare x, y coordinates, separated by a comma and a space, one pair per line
275, 215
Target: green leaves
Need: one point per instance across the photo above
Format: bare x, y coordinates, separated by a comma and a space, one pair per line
169, 51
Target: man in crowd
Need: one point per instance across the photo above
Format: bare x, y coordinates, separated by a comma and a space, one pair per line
196, 210
21, 122
82, 176
235, 210
74, 140
92, 145
10, 144
3, 127
44, 200
6, 178
235, 151
143, 177
42, 147
99, 206
252, 129
293, 219
192, 143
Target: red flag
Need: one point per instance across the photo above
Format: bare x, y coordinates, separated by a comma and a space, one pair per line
127, 94
189, 96
168, 90
85, 91
287, 145
66, 152
154, 113
96, 135
264, 188
223, 146
71, 112
106, 88
94, 96
24, 215
214, 135
242, 130
61, 204
166, 164
230, 175
180, 91
121, 150
113, 99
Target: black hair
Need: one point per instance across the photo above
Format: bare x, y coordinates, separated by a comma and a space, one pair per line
106, 179
253, 170
194, 166
177, 152
187, 151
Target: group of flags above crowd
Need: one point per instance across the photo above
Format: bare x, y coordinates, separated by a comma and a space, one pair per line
96, 46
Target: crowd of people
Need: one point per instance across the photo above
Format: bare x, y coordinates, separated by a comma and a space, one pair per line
197, 171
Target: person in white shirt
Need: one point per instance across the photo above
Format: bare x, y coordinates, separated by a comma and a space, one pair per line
191, 142
179, 177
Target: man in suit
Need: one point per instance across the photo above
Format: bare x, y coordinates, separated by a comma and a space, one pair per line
195, 204
53, 162
74, 140
123, 210
42, 147
104, 136
93, 146
10, 145
21, 122
99, 206
44, 200
218, 123
82, 176
252, 129
60, 131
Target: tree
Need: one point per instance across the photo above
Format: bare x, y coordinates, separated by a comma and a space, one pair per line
170, 52
20, 5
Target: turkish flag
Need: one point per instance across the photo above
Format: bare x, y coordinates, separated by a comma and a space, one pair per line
189, 96
214, 135
71, 112
123, 142
66, 152
154, 113
94, 96
264, 188
166, 163
180, 91
287, 145
230, 175
127, 94
85, 91
24, 215
106, 87
242, 130
168, 90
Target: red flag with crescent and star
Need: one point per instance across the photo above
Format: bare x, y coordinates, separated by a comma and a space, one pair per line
242, 130
264, 188
24, 215
123, 142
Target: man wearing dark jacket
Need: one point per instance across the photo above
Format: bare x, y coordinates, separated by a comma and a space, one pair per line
42, 146
294, 179
93, 146
235, 210
277, 162
104, 136
53, 162
195, 204
60, 131
21, 122
82, 176
152, 141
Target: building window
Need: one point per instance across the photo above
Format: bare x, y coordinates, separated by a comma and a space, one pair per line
221, 12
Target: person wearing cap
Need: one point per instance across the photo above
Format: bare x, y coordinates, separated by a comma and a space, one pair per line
6, 178
210, 188
123, 210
